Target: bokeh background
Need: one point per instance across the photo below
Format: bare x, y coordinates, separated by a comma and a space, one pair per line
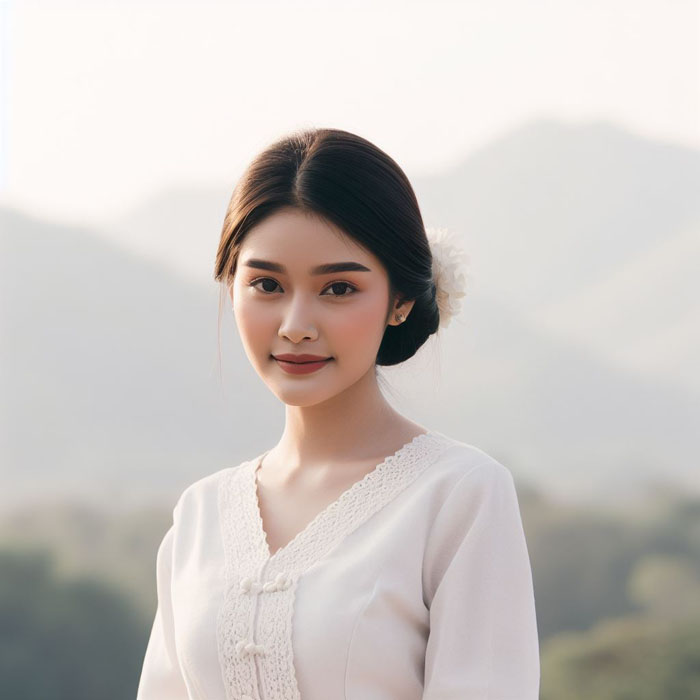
559, 140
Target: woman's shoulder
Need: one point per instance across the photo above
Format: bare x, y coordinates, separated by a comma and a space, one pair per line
204, 492
460, 460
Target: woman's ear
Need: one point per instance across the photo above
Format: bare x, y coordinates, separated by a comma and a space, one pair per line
400, 311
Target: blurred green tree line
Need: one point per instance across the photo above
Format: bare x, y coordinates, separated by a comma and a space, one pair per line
617, 593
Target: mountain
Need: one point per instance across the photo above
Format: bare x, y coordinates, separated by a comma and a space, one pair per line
108, 384
643, 317
571, 361
550, 209
552, 216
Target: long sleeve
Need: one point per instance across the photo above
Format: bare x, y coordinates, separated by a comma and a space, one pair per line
160, 676
483, 640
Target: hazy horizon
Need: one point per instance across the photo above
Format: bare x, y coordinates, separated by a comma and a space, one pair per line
114, 116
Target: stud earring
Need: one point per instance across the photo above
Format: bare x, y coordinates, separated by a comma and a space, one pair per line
399, 317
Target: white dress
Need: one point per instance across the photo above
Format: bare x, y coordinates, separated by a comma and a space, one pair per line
414, 583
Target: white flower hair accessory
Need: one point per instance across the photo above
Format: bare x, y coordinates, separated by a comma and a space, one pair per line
449, 266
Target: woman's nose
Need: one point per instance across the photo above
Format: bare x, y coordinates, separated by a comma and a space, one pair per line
297, 321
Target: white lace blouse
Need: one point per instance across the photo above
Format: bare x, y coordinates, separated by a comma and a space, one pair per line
414, 583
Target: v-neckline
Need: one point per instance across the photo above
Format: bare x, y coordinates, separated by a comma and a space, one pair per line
373, 474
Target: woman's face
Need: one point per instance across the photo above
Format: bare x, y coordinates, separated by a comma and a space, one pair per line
340, 315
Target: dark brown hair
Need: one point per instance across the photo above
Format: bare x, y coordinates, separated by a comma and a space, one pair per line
352, 184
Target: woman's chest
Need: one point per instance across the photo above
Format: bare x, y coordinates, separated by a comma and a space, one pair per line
337, 612
286, 509
355, 615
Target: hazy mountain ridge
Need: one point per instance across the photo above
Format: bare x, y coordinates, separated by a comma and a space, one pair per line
110, 386
656, 294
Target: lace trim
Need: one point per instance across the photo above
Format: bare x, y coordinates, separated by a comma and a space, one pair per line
260, 589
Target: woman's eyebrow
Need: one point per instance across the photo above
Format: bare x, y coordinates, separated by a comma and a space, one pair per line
326, 269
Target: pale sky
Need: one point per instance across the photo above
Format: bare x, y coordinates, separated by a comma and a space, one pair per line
104, 103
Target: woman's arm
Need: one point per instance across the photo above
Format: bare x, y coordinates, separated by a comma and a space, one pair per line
160, 676
483, 640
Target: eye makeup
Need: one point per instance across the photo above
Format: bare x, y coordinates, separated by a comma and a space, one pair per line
353, 289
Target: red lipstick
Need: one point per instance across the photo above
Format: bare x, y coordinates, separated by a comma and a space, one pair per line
301, 364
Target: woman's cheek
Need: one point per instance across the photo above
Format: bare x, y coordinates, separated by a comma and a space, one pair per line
253, 322
363, 323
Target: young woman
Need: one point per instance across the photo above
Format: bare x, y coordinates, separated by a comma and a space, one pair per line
364, 556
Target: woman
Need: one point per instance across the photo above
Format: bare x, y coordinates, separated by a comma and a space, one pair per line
364, 556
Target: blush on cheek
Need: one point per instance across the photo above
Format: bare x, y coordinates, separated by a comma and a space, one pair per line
255, 330
361, 324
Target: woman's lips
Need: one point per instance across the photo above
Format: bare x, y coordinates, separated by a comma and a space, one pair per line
301, 367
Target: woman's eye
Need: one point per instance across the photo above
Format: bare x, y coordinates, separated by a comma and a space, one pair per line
345, 285
335, 285
254, 283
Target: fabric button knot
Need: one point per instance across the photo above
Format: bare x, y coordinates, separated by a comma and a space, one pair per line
280, 583
250, 586
245, 647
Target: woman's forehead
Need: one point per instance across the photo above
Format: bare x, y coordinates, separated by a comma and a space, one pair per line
302, 241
